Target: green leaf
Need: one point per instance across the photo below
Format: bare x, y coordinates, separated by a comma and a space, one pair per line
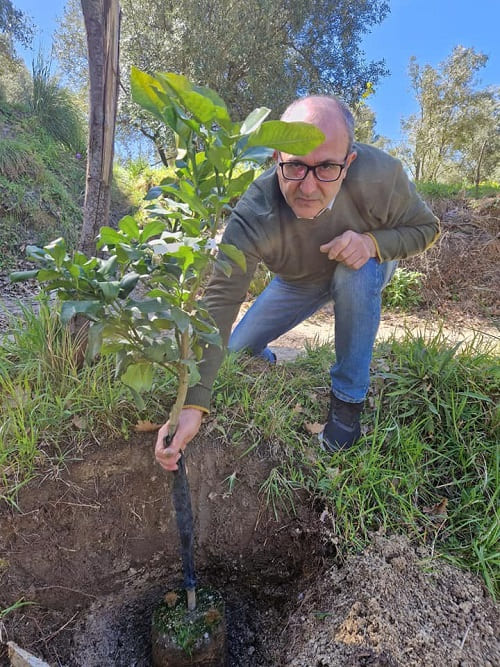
153, 193
258, 154
234, 254
254, 120
186, 257
151, 229
94, 340
161, 352
194, 373
57, 250
239, 185
180, 318
189, 198
220, 157
71, 308
51, 274
109, 289
19, 276
127, 284
129, 227
108, 266
294, 138
139, 377
200, 106
149, 306
223, 266
145, 93
109, 236
221, 113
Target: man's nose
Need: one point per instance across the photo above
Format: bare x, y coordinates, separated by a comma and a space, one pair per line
309, 183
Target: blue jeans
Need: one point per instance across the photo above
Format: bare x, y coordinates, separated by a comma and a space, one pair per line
356, 296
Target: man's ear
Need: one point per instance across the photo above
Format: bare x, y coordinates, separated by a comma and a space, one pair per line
275, 155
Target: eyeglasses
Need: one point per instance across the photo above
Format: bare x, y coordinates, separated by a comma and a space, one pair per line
297, 171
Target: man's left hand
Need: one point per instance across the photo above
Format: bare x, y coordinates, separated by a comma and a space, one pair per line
350, 248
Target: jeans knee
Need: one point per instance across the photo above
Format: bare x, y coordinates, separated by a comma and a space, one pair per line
366, 282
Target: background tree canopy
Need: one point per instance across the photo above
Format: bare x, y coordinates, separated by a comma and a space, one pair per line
261, 52
456, 132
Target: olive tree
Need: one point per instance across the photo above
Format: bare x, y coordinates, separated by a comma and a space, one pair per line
255, 53
456, 126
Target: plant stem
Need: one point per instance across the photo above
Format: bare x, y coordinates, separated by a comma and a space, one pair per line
182, 386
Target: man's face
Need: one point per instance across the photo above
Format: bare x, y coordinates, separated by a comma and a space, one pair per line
308, 197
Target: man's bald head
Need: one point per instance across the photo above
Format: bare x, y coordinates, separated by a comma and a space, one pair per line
330, 114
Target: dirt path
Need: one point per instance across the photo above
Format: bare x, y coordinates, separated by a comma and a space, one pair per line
320, 328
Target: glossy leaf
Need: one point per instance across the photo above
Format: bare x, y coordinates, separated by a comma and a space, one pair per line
71, 308
109, 236
139, 377
19, 276
129, 227
294, 138
94, 340
234, 254
254, 120
144, 92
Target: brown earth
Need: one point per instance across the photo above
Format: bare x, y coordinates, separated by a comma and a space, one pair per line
96, 548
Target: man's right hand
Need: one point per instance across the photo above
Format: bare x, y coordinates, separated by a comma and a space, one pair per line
188, 426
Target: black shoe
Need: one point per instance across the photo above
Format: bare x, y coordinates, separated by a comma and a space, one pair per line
342, 429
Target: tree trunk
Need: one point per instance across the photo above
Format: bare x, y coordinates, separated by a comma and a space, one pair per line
102, 24
477, 177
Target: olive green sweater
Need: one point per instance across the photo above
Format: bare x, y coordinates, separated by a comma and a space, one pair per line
376, 197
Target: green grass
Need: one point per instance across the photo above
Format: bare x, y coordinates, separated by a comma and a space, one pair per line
50, 408
403, 291
430, 436
450, 191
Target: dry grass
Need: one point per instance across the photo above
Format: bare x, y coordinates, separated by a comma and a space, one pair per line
461, 269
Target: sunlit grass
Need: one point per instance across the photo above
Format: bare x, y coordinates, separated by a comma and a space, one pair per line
427, 465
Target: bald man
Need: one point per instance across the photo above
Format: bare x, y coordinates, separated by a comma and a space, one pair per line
331, 226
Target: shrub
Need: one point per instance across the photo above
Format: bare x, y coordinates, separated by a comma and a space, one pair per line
55, 108
403, 291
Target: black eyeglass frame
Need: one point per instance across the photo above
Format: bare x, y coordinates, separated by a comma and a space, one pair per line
313, 169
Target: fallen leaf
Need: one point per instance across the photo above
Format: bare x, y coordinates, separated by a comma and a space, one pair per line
171, 598
439, 509
212, 617
79, 422
314, 428
146, 426
298, 408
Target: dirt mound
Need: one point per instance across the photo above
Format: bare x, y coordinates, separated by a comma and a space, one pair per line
461, 269
392, 606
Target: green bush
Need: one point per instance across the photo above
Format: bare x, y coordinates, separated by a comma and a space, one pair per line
55, 109
403, 291
451, 190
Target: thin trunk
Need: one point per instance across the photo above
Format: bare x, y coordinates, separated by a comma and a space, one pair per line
102, 24
477, 178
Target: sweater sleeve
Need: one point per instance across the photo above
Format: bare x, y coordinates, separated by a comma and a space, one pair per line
223, 298
406, 224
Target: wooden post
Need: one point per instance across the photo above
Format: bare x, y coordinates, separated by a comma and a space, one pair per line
102, 24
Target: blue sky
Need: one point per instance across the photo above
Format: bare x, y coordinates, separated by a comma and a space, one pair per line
427, 29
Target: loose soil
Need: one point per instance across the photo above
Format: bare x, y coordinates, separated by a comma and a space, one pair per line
96, 550
95, 545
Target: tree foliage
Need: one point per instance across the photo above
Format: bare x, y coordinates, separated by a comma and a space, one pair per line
260, 52
14, 25
455, 132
